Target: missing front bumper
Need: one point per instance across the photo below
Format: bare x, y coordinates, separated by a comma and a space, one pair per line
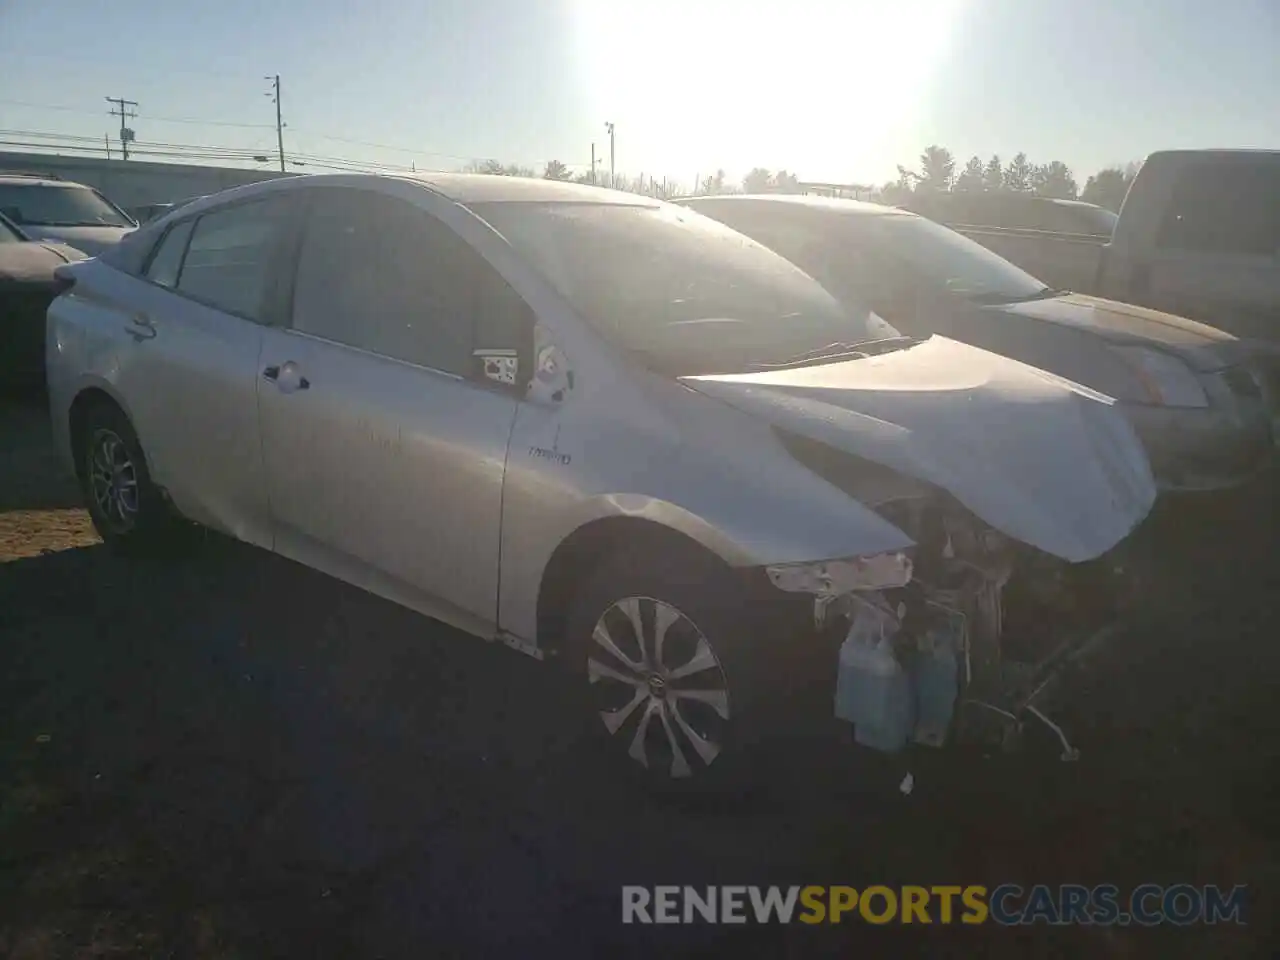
1032, 695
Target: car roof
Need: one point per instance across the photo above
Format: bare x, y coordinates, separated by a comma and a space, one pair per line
831, 204
23, 179
1063, 202
1218, 152
467, 188
462, 188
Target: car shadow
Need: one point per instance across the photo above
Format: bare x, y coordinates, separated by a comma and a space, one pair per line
34, 477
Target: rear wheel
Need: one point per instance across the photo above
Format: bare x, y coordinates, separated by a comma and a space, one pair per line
664, 654
127, 509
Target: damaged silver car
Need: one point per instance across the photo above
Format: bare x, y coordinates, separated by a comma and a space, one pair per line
607, 431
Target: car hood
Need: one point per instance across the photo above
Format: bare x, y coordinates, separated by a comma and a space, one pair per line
33, 262
1204, 347
1042, 459
92, 240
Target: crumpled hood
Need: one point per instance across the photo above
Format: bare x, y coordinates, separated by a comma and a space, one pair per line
92, 240
1042, 459
1204, 347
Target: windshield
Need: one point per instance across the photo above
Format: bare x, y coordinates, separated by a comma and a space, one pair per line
685, 292
959, 265
57, 205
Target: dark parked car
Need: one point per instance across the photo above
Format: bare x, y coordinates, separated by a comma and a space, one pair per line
49, 208
26, 289
1195, 394
1014, 211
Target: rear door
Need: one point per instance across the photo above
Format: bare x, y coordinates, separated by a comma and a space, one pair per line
194, 321
384, 441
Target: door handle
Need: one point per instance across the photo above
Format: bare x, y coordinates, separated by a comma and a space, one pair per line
286, 377
141, 327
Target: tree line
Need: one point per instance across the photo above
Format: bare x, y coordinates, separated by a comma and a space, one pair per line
936, 172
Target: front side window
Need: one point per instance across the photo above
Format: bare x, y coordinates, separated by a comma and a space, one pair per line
166, 262
1227, 209
58, 205
683, 292
228, 260
378, 273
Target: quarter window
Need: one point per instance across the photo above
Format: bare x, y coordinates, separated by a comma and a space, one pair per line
377, 273
228, 261
167, 260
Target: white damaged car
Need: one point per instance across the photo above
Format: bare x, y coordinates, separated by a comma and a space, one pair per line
592, 425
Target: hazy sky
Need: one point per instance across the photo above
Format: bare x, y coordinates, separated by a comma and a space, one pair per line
838, 91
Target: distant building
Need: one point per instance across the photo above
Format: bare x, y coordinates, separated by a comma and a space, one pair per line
135, 183
845, 191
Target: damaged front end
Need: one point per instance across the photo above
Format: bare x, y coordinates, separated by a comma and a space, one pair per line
966, 640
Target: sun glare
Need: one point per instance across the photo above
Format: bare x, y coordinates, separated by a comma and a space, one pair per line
827, 89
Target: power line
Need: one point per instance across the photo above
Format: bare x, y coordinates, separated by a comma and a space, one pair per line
68, 140
150, 119
386, 146
77, 143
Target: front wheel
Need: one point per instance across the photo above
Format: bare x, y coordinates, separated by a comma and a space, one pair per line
667, 657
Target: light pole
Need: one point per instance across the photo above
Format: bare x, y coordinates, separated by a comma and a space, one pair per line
609, 127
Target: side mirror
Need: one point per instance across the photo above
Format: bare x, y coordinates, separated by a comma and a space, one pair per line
498, 366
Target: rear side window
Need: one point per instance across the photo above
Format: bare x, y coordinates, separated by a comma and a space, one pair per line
229, 257
167, 260
1224, 209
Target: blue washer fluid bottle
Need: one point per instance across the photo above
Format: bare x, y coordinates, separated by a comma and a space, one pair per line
935, 680
873, 691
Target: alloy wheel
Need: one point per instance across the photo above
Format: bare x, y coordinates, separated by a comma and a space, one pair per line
113, 480
658, 686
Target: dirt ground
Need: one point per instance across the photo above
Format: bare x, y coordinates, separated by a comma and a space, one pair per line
233, 757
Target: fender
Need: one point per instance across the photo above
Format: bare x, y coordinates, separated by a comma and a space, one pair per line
60, 405
723, 479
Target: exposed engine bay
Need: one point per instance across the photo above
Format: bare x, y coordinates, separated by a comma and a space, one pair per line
966, 638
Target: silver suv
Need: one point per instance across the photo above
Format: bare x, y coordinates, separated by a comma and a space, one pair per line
594, 425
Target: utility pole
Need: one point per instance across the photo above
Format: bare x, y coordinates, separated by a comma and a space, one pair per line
106, 142
609, 127
126, 134
593, 164
275, 96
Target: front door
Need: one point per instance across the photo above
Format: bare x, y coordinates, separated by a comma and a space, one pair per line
384, 443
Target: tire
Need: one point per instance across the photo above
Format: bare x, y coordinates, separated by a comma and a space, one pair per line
712, 743
127, 509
